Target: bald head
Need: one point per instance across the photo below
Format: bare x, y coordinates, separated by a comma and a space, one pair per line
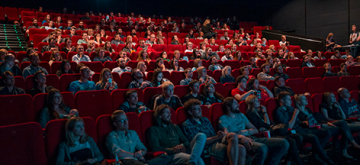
344, 93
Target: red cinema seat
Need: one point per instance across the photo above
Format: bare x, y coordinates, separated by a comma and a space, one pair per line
317, 100
349, 82
234, 64
310, 72
255, 71
294, 63
294, 72
217, 75
354, 70
297, 85
294, 48
118, 97
228, 87
40, 101
150, 92
104, 126
2, 18
110, 64
355, 95
270, 84
176, 77
331, 84
259, 62
69, 99
12, 13
94, 66
216, 112
16, 109
172, 48
22, 144
95, 77
55, 134
66, 79
336, 62
315, 85
320, 62
20, 82
244, 63
93, 103
271, 105
133, 64
125, 79
181, 90
273, 42
159, 48
218, 87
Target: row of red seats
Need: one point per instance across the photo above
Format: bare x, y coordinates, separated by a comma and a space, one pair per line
31, 133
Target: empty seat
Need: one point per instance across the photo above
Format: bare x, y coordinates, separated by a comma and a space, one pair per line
271, 105
310, 72
320, 62
314, 85
172, 48
22, 144
40, 101
355, 95
353, 70
176, 77
125, 80
234, 64
181, 90
349, 82
273, 42
12, 13
297, 85
118, 97
331, 84
294, 63
216, 112
228, 87
94, 66
294, 72
16, 109
317, 100
150, 92
217, 74
66, 79
55, 134
20, 82
93, 103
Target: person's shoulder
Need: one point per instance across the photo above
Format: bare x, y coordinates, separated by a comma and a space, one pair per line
224, 118
75, 82
186, 123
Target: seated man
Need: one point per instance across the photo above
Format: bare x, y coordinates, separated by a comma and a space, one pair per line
142, 46
125, 144
280, 86
350, 61
51, 46
34, 66
151, 41
264, 75
80, 56
240, 93
214, 64
235, 122
167, 97
40, 84
51, 35
343, 70
165, 136
219, 145
117, 40
34, 25
9, 82
188, 77
122, 67
286, 114
83, 84
225, 36
280, 72
328, 73
350, 108
194, 93
307, 62
84, 39
139, 81
132, 104
227, 55
10, 65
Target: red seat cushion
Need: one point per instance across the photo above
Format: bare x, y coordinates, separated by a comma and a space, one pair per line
93, 103
16, 109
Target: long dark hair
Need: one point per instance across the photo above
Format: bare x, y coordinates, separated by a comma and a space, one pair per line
62, 66
206, 94
50, 103
156, 73
172, 66
250, 84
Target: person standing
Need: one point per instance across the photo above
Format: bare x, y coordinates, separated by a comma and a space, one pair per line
354, 41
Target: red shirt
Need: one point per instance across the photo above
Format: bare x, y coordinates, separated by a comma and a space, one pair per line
237, 91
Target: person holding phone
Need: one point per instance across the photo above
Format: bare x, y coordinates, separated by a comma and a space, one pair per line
105, 82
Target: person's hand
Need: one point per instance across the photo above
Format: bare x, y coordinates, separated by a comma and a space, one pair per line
263, 109
247, 142
262, 87
306, 123
73, 112
179, 148
142, 108
201, 79
138, 154
144, 84
296, 112
221, 134
252, 91
91, 161
330, 124
262, 129
336, 104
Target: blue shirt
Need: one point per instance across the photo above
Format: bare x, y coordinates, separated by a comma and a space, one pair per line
31, 70
76, 86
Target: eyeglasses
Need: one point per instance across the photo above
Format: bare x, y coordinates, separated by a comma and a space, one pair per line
122, 121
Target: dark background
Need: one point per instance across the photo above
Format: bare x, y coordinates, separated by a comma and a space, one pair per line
306, 17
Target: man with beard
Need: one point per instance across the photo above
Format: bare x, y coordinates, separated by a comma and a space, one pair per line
81, 26
83, 84
139, 81
119, 31
280, 72
117, 40
51, 47
40, 84
165, 136
264, 75
34, 25
194, 93
167, 96
142, 46
280, 86
9, 82
219, 145
80, 56
122, 67
227, 55
236, 122
214, 64
34, 66
9, 65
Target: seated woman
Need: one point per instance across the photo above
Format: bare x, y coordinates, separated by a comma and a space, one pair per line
91, 46
174, 65
318, 56
291, 56
307, 117
253, 64
40, 84
142, 67
282, 55
269, 53
261, 92
258, 116
78, 148
201, 36
164, 56
196, 54
203, 77
177, 56
191, 34
337, 55
259, 55
197, 63
186, 40
65, 68
211, 95
157, 78
272, 48
106, 81
67, 48
237, 56
100, 55
246, 72
175, 40
226, 75
55, 56
270, 61
55, 108
97, 39
108, 47
159, 64
143, 56
331, 45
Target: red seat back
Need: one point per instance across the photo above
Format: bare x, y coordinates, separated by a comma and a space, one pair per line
331, 84
66, 79
271, 105
149, 92
93, 103
118, 97
294, 63
16, 109
349, 82
176, 77
22, 144
216, 112
310, 72
353, 70
297, 85
317, 100
294, 72
314, 85
96, 66
125, 80
181, 90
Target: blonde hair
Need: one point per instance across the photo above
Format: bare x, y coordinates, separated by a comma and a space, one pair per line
223, 72
199, 70
69, 135
165, 85
52, 56
196, 62
102, 77
250, 103
140, 58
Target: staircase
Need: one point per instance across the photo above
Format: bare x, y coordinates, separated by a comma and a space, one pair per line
11, 38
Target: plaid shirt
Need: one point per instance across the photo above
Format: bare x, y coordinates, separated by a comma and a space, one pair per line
185, 81
137, 84
190, 128
121, 70
174, 102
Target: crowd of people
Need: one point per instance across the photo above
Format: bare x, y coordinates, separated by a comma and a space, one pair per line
195, 139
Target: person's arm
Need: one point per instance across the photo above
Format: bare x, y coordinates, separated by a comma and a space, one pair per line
60, 160
153, 138
293, 118
93, 146
44, 117
325, 114
182, 138
337, 105
256, 121
267, 91
239, 97
251, 129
